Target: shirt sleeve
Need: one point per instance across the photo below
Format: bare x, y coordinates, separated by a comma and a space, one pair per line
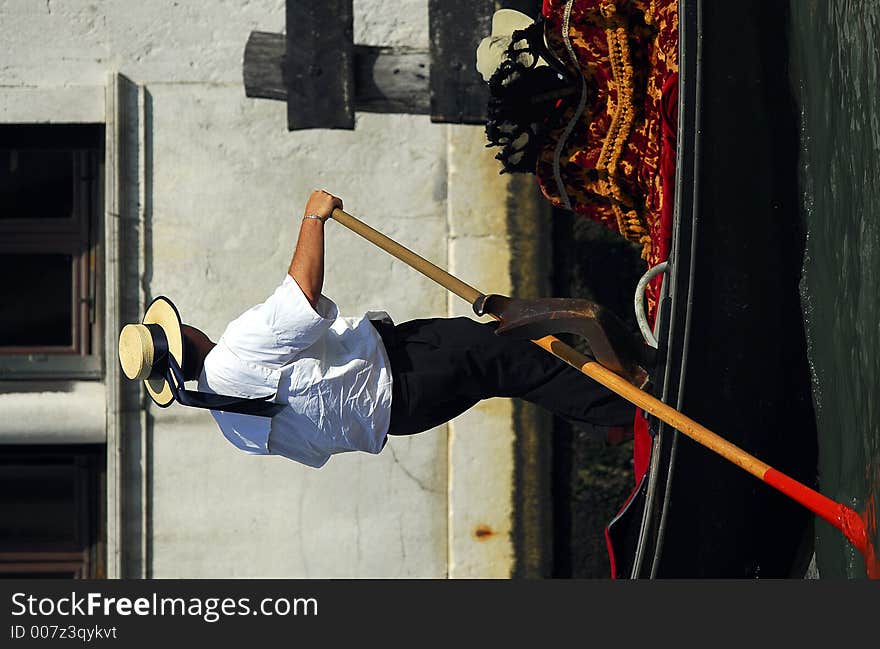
273, 332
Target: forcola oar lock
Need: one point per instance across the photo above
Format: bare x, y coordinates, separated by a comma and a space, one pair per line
609, 341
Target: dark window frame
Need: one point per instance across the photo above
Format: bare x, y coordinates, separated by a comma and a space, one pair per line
84, 556
79, 236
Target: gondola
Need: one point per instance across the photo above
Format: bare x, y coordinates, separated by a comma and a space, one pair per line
732, 349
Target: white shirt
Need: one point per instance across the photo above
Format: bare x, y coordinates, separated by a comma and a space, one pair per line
332, 373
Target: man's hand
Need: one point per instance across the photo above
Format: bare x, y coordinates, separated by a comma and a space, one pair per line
322, 204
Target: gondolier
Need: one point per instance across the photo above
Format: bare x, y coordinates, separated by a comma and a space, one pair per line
303, 382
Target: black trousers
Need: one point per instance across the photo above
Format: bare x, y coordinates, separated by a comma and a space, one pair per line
443, 366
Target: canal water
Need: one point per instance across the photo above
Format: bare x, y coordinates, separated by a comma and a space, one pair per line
835, 73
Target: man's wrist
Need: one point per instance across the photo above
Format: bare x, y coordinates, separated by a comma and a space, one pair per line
316, 217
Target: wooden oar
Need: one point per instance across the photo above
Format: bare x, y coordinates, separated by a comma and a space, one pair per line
849, 522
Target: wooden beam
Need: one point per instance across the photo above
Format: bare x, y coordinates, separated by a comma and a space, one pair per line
391, 80
319, 64
324, 77
458, 92
386, 80
263, 67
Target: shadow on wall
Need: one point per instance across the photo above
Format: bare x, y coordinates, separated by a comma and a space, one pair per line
591, 479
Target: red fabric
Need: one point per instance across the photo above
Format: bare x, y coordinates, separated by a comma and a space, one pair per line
602, 162
634, 192
662, 237
611, 556
631, 191
662, 240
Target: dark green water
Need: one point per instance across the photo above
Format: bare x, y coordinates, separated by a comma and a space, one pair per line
835, 71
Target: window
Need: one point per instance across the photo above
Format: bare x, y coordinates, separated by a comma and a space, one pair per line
50, 201
51, 514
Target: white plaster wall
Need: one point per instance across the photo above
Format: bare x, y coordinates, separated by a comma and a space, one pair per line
227, 187
481, 451
52, 412
391, 22
73, 42
226, 211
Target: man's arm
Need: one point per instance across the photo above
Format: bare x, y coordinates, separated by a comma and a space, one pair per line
307, 265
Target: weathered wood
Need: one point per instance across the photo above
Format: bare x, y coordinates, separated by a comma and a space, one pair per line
458, 92
324, 77
263, 68
319, 65
386, 80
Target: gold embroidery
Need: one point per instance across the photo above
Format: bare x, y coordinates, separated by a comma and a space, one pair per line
608, 164
629, 223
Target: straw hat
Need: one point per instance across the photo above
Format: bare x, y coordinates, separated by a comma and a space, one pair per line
144, 348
